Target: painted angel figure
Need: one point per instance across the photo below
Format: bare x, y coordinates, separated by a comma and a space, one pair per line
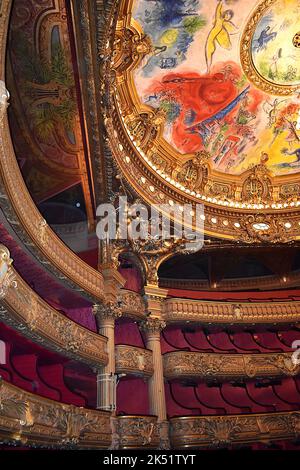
220, 33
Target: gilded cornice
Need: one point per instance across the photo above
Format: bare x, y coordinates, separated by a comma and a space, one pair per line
29, 314
133, 361
181, 364
224, 313
234, 209
232, 430
31, 420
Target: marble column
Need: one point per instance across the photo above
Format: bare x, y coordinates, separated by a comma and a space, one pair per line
106, 315
152, 328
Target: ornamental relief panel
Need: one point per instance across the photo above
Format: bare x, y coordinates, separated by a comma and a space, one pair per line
133, 360
132, 303
32, 419
178, 310
224, 431
186, 364
23, 308
138, 432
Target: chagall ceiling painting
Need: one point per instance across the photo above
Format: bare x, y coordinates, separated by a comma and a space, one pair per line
214, 100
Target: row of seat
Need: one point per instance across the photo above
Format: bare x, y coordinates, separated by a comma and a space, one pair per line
228, 398
50, 375
197, 339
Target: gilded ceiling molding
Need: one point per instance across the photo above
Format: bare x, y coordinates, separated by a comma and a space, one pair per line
31, 420
224, 313
28, 313
134, 361
181, 364
160, 175
232, 430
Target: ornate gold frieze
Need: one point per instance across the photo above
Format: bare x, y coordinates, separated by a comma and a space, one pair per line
24, 309
129, 48
138, 432
230, 430
179, 364
180, 310
146, 128
132, 304
133, 360
195, 172
32, 420
261, 228
257, 183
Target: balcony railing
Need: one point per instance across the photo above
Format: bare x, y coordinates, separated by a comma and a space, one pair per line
230, 430
180, 364
134, 361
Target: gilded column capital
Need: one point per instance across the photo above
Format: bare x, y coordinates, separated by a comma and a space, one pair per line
153, 325
108, 311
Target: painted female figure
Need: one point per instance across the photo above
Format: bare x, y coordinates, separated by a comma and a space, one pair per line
220, 33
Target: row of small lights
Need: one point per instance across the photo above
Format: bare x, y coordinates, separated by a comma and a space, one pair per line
201, 196
213, 220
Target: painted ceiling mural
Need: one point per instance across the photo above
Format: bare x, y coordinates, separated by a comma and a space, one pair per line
44, 116
196, 76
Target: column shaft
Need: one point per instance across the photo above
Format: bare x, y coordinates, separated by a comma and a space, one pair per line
156, 382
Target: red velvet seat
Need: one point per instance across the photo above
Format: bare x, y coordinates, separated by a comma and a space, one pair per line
53, 375
244, 341
173, 339
26, 365
237, 397
182, 401
213, 397
222, 342
288, 392
269, 341
265, 397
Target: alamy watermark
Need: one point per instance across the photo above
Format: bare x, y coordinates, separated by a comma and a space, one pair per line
159, 222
